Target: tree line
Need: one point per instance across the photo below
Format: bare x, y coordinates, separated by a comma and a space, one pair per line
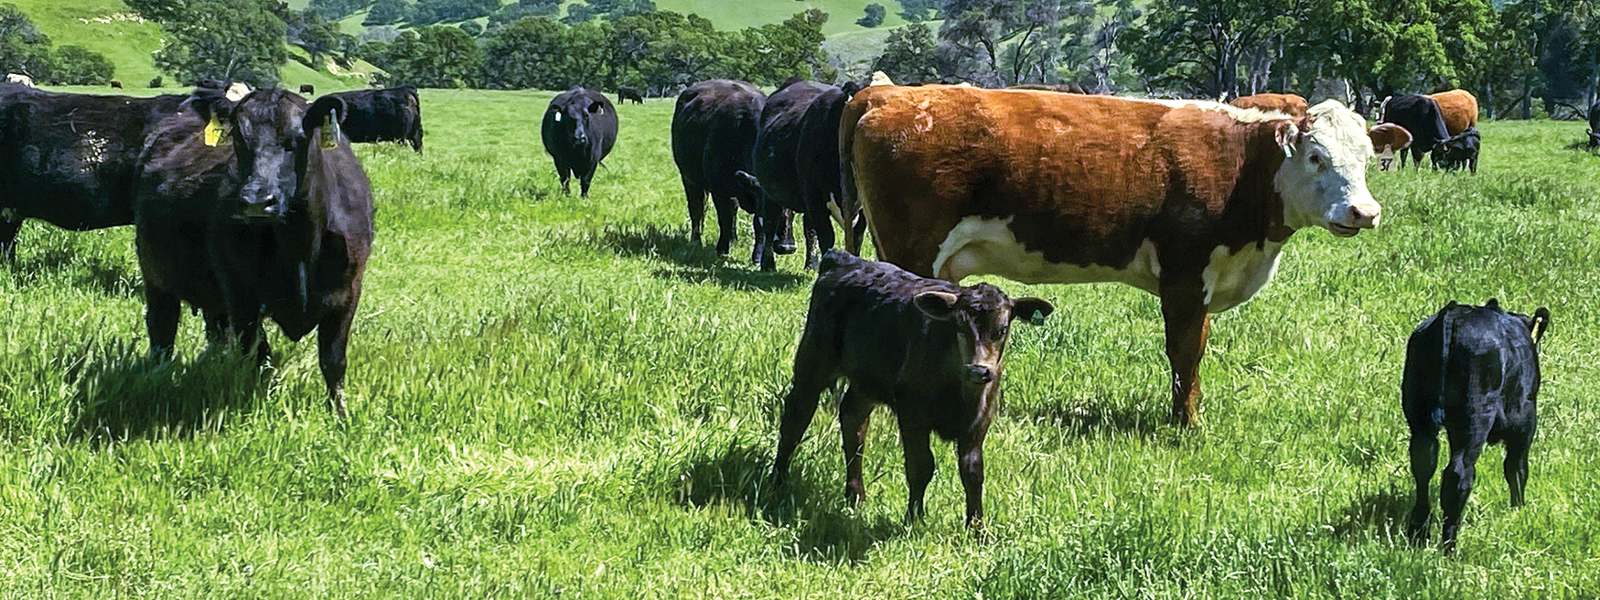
25, 50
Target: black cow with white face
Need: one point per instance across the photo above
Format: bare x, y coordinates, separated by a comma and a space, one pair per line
256, 210
579, 129
1419, 115
1473, 371
931, 350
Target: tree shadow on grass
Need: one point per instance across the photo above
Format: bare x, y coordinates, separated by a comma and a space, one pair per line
736, 279
104, 277
698, 263
824, 528
122, 393
1134, 416
1382, 514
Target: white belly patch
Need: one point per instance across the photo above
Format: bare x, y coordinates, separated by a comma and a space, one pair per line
987, 246
1231, 279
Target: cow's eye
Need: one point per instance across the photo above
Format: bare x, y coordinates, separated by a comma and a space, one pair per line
1316, 161
1004, 328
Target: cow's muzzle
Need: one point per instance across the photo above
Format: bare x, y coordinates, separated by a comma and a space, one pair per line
1356, 218
267, 208
979, 374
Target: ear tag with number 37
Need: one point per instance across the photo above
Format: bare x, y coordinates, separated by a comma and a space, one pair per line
330, 131
215, 133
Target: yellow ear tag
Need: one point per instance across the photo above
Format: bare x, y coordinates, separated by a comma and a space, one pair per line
215, 133
330, 131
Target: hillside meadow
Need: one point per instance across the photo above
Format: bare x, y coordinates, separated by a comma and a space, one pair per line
553, 396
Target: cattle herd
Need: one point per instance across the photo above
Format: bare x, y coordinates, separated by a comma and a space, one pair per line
251, 205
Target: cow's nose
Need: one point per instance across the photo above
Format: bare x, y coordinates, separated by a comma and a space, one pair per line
1365, 217
979, 374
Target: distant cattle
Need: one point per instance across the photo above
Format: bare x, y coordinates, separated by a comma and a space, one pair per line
19, 79
932, 351
1387, 139
1188, 200
1289, 104
387, 115
579, 129
797, 165
1594, 124
1459, 151
1421, 117
284, 231
71, 159
714, 128
1473, 371
1459, 109
116, 84
625, 94
307, 89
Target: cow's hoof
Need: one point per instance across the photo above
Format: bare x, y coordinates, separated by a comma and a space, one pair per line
785, 248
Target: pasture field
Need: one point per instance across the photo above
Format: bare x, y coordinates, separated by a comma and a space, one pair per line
562, 397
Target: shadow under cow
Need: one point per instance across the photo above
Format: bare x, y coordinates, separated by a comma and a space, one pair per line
1381, 514
121, 393
108, 278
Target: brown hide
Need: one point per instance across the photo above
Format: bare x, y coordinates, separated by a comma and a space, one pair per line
1289, 104
1460, 110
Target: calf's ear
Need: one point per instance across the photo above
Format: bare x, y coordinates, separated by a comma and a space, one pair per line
939, 306
1032, 309
1541, 323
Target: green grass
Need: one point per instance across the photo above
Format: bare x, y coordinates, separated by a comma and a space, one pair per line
128, 43
562, 396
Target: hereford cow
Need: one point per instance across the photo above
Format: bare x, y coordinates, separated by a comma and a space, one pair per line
579, 129
1387, 139
251, 211
932, 351
1188, 200
1289, 104
1421, 117
797, 164
627, 94
70, 159
1459, 109
19, 79
714, 127
387, 115
1458, 151
1473, 371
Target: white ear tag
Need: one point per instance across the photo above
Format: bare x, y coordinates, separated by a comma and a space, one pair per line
330, 130
558, 117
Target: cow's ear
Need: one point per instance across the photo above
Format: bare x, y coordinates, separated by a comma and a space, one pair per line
597, 107
939, 306
1287, 135
1541, 323
1032, 309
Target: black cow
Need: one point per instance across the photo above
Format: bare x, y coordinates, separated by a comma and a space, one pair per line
1458, 151
309, 90
274, 221
797, 164
1473, 371
71, 159
1594, 124
625, 94
931, 350
1419, 115
714, 126
387, 115
579, 129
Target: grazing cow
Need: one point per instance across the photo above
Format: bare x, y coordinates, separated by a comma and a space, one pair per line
1188, 200
579, 129
70, 159
387, 115
1473, 371
1387, 139
714, 128
932, 351
256, 210
1289, 104
19, 79
1421, 117
1458, 151
797, 165
625, 94
1459, 109
308, 89
1594, 124
116, 84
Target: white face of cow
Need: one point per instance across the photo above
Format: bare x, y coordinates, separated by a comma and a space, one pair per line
1323, 181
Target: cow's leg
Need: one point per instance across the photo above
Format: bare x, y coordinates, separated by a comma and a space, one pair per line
768, 217
1474, 164
784, 238
727, 223
1187, 325
1424, 461
811, 377
1455, 485
919, 465
216, 326
819, 236
1516, 467
333, 337
855, 416
8, 238
969, 457
566, 179
697, 209
583, 182
162, 311
244, 317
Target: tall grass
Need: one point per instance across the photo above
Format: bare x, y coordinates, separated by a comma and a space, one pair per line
552, 395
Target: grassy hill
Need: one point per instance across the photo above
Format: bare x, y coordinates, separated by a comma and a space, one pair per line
105, 26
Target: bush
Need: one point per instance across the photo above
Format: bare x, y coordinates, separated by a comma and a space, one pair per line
874, 16
472, 28
76, 65
155, 82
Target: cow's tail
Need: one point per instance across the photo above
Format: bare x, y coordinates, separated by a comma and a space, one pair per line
850, 201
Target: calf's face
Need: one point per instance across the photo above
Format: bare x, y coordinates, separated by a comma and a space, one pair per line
982, 315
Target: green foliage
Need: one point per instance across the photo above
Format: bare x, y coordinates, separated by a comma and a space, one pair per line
472, 28
155, 82
544, 54
873, 17
236, 40
334, 10
437, 56
387, 12
428, 12
918, 10
1198, 47
23, 48
525, 8
76, 65
578, 13
908, 55
1001, 42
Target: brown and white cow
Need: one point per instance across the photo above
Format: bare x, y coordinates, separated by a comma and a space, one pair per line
1289, 104
1388, 139
1188, 200
1459, 108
